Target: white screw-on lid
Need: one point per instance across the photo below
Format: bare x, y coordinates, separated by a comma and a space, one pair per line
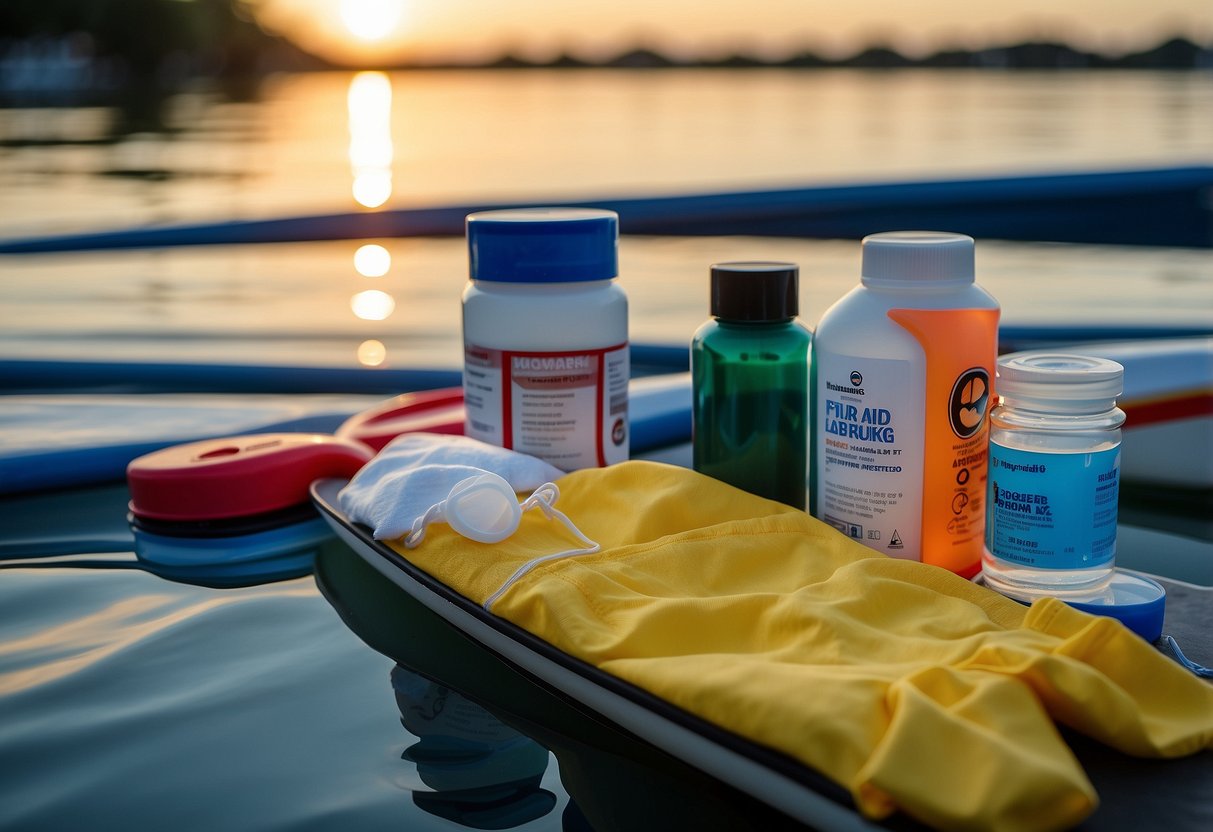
914, 256
1059, 379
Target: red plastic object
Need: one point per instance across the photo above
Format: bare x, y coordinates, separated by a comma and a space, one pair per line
431, 411
239, 476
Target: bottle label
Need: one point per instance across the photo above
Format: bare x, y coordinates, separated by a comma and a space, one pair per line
1053, 510
960, 346
569, 408
901, 444
869, 451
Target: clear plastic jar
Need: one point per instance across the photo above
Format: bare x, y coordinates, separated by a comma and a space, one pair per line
1054, 476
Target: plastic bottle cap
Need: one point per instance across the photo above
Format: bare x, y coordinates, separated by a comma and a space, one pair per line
916, 256
1059, 377
1135, 600
543, 245
755, 291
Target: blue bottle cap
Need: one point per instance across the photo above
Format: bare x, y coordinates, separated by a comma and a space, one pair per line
543, 245
1135, 600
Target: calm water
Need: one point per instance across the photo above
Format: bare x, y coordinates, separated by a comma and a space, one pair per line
470, 137
130, 702
311, 143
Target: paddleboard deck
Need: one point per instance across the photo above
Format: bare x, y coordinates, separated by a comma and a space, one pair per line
1152, 790
773, 778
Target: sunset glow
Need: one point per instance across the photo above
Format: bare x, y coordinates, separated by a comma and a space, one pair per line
368, 32
371, 20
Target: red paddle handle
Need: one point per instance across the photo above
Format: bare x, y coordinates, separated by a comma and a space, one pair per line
429, 411
238, 476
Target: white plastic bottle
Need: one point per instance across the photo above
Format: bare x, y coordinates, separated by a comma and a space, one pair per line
902, 371
1054, 476
545, 335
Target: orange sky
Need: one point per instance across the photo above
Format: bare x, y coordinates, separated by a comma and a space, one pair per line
421, 30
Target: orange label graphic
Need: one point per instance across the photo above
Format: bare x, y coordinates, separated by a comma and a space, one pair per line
960, 348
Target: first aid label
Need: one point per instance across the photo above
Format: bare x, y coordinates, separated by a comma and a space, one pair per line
869, 451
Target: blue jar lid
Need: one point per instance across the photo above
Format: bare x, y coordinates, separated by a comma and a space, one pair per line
1135, 600
543, 245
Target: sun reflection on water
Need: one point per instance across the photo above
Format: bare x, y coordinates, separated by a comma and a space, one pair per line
372, 260
371, 150
373, 305
371, 353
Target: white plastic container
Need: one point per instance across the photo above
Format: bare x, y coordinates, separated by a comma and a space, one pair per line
902, 370
545, 335
1054, 476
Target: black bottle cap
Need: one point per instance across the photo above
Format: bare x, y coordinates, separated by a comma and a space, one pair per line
755, 291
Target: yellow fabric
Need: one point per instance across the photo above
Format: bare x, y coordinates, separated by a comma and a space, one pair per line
911, 686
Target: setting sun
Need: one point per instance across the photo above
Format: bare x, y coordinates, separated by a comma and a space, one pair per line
350, 32
371, 20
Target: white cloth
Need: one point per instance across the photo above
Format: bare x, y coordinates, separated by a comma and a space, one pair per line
416, 470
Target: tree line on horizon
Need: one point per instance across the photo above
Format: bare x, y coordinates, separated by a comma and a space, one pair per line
219, 38
1175, 53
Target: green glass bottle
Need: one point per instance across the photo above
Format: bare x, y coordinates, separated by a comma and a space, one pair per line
750, 377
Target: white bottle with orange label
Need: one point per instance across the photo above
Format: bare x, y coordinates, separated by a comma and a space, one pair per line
902, 371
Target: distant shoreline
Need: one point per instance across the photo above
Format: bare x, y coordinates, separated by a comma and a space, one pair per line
47, 68
1173, 54
72, 44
